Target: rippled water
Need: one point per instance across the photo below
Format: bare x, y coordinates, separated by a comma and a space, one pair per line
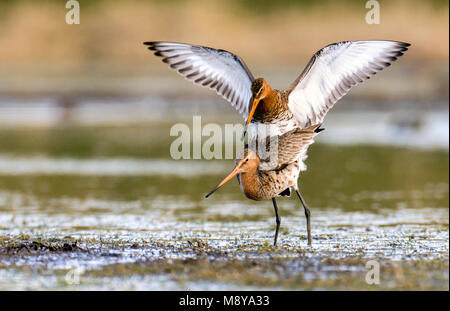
90, 199
110, 167
136, 219
401, 125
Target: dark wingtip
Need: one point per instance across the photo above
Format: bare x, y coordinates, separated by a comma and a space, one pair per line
151, 45
319, 129
404, 46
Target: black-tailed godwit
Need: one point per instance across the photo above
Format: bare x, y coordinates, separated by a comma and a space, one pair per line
295, 112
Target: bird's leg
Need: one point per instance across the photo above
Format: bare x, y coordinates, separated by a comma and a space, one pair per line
307, 214
277, 217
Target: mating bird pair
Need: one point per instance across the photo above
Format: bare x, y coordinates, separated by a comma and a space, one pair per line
293, 115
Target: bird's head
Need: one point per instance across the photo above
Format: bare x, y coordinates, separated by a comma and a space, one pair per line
247, 163
260, 89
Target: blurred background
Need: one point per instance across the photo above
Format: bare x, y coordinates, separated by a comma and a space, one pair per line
68, 70
85, 114
99, 73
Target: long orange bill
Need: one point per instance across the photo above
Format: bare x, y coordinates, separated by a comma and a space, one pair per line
250, 116
223, 182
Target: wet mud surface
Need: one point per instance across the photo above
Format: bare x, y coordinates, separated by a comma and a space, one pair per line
100, 221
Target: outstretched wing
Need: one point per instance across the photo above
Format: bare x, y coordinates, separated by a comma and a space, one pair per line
331, 73
219, 70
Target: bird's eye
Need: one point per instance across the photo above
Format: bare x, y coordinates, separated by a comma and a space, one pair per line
246, 160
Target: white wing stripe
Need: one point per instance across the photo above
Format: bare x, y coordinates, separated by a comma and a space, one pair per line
333, 71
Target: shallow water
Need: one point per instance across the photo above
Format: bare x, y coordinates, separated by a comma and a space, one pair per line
107, 213
399, 123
